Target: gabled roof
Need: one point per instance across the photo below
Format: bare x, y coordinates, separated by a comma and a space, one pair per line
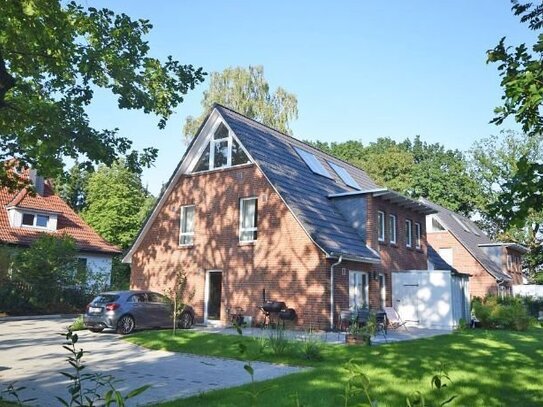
86, 239
472, 239
306, 193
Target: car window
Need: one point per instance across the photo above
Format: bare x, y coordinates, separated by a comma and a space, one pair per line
154, 297
142, 297
105, 298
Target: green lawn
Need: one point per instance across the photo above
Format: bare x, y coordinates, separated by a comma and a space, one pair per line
487, 368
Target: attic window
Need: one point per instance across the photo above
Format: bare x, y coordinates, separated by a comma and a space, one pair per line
222, 151
37, 221
312, 162
459, 221
436, 226
344, 175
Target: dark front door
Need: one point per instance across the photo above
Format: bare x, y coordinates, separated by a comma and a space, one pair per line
214, 299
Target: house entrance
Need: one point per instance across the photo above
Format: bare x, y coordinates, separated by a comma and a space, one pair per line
214, 290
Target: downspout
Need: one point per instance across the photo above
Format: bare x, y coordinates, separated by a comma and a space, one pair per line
332, 290
500, 282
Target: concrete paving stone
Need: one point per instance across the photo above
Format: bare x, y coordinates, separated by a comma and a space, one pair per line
32, 356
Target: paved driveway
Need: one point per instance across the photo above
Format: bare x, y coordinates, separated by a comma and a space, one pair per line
31, 354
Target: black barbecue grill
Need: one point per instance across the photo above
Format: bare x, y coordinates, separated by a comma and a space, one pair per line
275, 310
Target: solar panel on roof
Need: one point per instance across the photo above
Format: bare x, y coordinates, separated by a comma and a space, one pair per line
344, 175
312, 162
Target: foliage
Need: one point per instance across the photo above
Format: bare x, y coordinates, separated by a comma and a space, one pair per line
86, 388
254, 393
178, 294
120, 274
493, 164
117, 203
77, 325
246, 91
475, 362
53, 56
521, 72
534, 305
358, 383
414, 168
13, 392
71, 187
501, 313
278, 342
46, 269
310, 347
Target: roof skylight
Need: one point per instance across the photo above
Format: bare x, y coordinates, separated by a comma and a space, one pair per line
312, 162
459, 221
344, 175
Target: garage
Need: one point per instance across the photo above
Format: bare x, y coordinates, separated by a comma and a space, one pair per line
436, 299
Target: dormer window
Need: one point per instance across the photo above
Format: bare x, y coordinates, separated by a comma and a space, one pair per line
35, 220
222, 151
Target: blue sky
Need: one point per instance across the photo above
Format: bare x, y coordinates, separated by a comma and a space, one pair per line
360, 70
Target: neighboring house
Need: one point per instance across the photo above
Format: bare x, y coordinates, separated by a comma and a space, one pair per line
493, 266
251, 212
24, 218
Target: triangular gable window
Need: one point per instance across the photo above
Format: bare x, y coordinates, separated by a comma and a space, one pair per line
222, 151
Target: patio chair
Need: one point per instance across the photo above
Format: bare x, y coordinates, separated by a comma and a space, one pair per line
394, 321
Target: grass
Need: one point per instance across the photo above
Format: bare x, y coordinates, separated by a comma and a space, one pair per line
487, 368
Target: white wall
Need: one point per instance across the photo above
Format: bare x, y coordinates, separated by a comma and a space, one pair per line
426, 298
528, 290
99, 268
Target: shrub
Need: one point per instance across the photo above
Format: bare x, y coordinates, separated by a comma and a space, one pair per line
78, 324
311, 348
494, 312
278, 342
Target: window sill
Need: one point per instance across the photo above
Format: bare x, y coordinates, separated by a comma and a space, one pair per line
186, 246
251, 243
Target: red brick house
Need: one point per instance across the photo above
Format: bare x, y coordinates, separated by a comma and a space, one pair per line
251, 209
494, 267
25, 217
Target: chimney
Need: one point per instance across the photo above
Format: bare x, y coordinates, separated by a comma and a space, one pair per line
37, 181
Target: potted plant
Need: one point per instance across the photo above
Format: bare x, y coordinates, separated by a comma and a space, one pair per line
359, 334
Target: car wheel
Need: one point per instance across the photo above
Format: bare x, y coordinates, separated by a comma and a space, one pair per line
126, 325
97, 330
185, 320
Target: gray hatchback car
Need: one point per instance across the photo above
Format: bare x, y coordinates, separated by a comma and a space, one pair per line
125, 311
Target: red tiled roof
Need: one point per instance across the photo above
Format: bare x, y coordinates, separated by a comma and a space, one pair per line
68, 221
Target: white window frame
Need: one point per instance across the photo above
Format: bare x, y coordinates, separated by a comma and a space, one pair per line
182, 234
211, 143
364, 278
253, 229
383, 290
381, 226
35, 220
417, 235
408, 233
393, 228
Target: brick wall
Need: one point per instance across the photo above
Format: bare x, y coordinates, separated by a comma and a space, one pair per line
283, 260
394, 256
480, 282
515, 268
